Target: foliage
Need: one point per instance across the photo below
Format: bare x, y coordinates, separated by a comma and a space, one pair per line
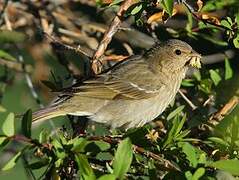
180, 144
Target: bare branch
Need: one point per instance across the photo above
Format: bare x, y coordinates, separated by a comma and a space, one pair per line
114, 27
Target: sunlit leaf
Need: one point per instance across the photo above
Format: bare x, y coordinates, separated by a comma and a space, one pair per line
168, 6
225, 23
8, 126
107, 177
190, 153
236, 41
115, 2
216, 78
86, 172
231, 166
136, 9
175, 112
123, 158
12, 162
6, 56
198, 173
228, 70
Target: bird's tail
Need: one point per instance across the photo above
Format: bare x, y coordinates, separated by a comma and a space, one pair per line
46, 113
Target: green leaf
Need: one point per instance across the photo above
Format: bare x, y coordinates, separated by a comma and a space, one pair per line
175, 112
11, 36
190, 153
2, 109
123, 158
136, 9
188, 175
3, 142
188, 83
226, 24
105, 156
102, 145
59, 150
8, 127
6, 56
43, 136
180, 125
198, 174
219, 141
115, 2
85, 170
2, 139
236, 41
39, 164
79, 144
216, 78
12, 162
168, 6
228, 70
27, 123
231, 166
171, 133
107, 177
205, 86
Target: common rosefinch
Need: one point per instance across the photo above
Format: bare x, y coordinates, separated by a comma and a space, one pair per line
132, 92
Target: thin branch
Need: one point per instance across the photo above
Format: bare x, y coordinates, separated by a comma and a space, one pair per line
113, 28
187, 100
198, 16
115, 140
226, 109
77, 50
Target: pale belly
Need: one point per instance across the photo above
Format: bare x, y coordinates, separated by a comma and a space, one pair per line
132, 113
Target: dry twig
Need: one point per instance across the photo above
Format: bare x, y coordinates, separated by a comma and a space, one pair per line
226, 109
114, 27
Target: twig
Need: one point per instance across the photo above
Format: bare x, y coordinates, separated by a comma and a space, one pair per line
199, 17
115, 140
64, 46
114, 27
187, 100
226, 109
165, 163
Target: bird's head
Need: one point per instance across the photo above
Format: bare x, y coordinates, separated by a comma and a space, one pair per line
174, 55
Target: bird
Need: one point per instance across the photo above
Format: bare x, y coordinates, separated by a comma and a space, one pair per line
132, 92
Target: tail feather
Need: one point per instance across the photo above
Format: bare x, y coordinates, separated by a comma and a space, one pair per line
46, 113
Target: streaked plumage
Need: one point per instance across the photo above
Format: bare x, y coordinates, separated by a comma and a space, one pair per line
131, 93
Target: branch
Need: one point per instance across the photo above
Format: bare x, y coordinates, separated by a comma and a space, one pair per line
115, 140
199, 16
187, 100
226, 109
114, 27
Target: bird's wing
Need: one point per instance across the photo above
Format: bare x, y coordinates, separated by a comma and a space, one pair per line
104, 88
123, 81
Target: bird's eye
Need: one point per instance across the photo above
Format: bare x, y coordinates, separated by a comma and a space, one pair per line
178, 52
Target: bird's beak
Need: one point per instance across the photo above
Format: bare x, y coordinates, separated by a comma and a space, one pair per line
195, 59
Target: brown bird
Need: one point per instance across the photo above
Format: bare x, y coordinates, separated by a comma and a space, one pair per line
132, 92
